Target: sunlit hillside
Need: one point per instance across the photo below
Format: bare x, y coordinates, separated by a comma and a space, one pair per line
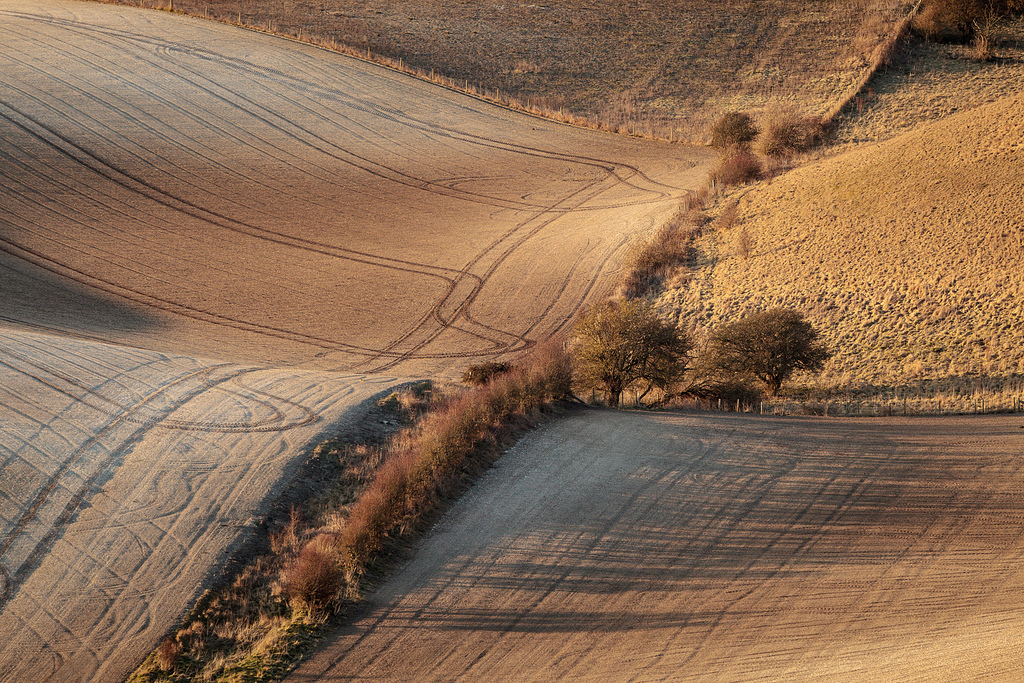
907, 255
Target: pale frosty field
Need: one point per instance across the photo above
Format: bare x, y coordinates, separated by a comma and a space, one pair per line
208, 239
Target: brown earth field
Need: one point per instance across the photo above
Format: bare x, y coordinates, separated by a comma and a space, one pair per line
216, 245
616, 546
208, 238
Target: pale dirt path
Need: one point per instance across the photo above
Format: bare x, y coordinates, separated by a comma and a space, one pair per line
715, 547
126, 478
174, 190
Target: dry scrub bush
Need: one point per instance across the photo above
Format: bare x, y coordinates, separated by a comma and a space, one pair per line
733, 129
929, 22
729, 392
727, 219
737, 167
313, 579
788, 133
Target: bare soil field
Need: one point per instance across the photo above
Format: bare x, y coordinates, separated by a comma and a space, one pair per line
204, 232
295, 205
654, 66
715, 547
128, 478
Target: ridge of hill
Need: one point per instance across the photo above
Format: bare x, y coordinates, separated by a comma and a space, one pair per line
905, 254
654, 67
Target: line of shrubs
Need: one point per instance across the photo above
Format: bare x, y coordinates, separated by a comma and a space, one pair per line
425, 466
745, 148
623, 344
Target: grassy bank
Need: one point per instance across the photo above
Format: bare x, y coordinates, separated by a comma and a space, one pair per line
273, 610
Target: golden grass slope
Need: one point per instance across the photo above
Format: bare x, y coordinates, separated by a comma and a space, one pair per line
906, 255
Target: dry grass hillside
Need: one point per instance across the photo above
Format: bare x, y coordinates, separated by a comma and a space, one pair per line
928, 81
656, 66
907, 254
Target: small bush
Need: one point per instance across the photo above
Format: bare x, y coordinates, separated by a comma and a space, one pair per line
550, 369
788, 133
167, 652
482, 373
737, 167
313, 579
733, 129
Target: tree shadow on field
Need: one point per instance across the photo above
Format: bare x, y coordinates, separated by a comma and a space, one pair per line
802, 511
38, 298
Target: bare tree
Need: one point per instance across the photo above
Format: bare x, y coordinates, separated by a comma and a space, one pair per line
620, 344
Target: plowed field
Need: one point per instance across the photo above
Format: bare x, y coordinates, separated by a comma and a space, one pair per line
293, 204
710, 547
204, 232
128, 476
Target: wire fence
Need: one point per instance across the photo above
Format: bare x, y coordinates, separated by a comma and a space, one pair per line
870, 406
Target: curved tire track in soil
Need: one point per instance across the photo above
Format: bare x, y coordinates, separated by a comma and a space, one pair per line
173, 191
710, 546
311, 128
126, 475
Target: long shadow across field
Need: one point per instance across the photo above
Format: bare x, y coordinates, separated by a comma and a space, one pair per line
684, 547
